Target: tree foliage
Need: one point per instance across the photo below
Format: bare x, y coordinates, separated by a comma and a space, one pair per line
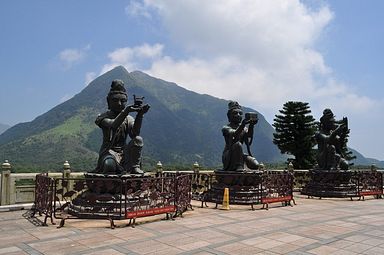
294, 131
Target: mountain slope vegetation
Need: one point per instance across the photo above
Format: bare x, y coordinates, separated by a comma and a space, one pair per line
180, 128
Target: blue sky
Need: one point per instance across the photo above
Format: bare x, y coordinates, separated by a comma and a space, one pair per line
261, 53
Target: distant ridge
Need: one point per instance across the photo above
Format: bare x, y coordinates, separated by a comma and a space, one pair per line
363, 161
3, 127
181, 127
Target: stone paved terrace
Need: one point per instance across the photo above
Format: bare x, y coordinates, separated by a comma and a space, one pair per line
313, 226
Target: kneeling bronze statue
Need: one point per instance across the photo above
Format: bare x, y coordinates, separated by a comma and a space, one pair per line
331, 140
237, 132
120, 152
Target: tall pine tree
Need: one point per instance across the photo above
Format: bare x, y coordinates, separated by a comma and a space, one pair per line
294, 132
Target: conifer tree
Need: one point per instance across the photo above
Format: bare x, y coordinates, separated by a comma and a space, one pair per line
294, 133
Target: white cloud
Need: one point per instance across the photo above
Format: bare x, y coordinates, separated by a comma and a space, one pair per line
72, 56
261, 53
137, 9
133, 58
258, 52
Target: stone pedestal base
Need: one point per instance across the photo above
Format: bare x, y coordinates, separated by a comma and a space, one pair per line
112, 184
330, 183
244, 187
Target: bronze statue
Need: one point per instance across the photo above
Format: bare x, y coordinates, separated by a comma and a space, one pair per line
331, 140
237, 132
120, 151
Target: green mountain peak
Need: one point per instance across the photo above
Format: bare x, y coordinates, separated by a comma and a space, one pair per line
181, 127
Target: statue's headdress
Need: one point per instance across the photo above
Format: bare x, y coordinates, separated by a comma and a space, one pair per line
327, 119
117, 87
327, 115
233, 105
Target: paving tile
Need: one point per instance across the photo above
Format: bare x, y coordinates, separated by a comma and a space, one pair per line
168, 251
103, 252
12, 250
17, 253
376, 233
210, 235
341, 244
269, 244
177, 240
150, 246
255, 240
129, 233
373, 241
95, 240
284, 237
357, 238
285, 248
50, 232
238, 248
193, 245
304, 242
323, 250
7, 238
58, 246
374, 251
202, 253
344, 252
358, 247
236, 229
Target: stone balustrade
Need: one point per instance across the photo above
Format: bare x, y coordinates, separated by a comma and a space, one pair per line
19, 188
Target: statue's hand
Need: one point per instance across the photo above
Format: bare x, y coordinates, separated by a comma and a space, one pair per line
144, 109
341, 128
245, 122
254, 122
132, 108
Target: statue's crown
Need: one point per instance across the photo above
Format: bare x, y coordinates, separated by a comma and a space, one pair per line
233, 105
327, 113
117, 87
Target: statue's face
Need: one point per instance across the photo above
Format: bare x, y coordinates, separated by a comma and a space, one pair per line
236, 116
117, 102
329, 124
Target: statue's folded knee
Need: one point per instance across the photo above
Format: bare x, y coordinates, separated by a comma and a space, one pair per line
109, 165
138, 141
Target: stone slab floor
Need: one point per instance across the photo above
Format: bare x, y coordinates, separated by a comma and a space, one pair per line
313, 226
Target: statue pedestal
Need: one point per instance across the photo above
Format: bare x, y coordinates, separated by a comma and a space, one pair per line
244, 187
331, 183
105, 194
109, 197
112, 184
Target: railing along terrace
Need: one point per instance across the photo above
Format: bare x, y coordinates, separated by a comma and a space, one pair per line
249, 188
112, 197
19, 188
369, 183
